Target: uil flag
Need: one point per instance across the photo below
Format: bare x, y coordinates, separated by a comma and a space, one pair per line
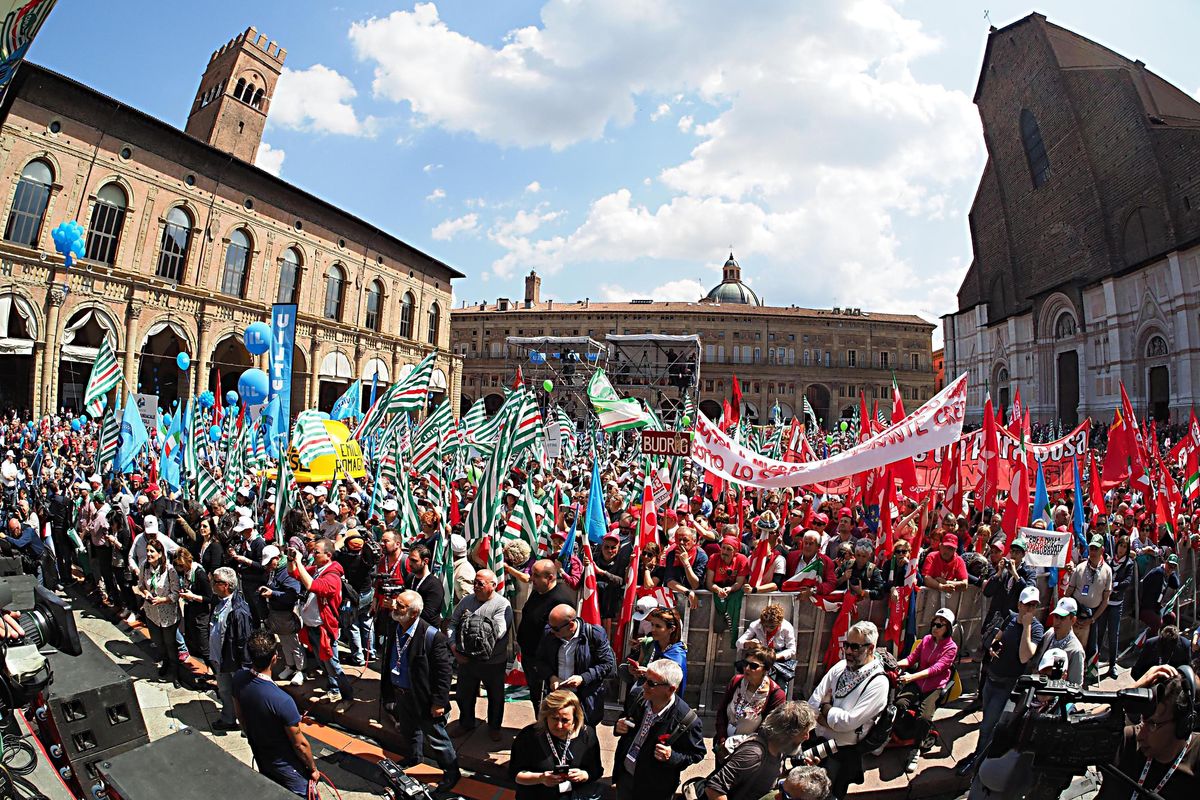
349, 404
589, 609
647, 531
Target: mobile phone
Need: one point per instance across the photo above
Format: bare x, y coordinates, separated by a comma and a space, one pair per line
633, 662
561, 769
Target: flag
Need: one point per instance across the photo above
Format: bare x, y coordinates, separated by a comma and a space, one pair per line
886, 505
526, 430
443, 566
812, 415
518, 379
406, 394
950, 479
522, 523
349, 404
903, 470
133, 436
1041, 501
1078, 521
285, 496
596, 527
735, 401
989, 476
760, 563
846, 611
1016, 508
374, 386
1097, 497
615, 414
568, 548
169, 460
647, 532
106, 452
1135, 447
589, 603
105, 377
428, 439
310, 438
474, 417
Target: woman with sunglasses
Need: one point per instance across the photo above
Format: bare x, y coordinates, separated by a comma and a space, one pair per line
664, 641
749, 697
922, 677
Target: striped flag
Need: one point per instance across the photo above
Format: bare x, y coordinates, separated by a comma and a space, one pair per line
106, 453
615, 414
430, 435
443, 566
285, 495
527, 430
475, 417
406, 394
310, 438
522, 523
105, 377
812, 415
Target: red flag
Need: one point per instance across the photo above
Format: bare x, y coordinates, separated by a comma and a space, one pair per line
885, 510
454, 515
897, 610
726, 414
950, 479
1097, 491
989, 476
735, 401
647, 533
760, 563
1016, 508
519, 379
589, 604
218, 401
841, 623
1017, 410
1116, 457
1135, 444
904, 470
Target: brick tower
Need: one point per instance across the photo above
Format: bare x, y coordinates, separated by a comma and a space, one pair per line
230, 109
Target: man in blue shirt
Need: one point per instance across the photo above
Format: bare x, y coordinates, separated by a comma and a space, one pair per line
271, 721
24, 541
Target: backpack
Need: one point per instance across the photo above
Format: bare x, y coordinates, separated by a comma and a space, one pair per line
880, 732
475, 637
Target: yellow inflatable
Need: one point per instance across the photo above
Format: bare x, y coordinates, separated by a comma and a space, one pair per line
348, 463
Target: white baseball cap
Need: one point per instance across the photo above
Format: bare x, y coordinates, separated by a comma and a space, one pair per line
1066, 607
244, 524
945, 614
391, 505
1055, 657
150, 524
269, 552
644, 606
1030, 594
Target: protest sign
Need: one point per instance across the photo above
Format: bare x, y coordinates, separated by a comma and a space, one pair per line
1047, 549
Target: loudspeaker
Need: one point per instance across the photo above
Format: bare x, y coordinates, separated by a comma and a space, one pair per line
185, 766
90, 707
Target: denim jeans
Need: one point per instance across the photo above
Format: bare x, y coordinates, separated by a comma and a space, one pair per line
358, 626
995, 695
1109, 627
337, 680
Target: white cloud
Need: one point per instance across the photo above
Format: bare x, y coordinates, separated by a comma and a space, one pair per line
269, 158
435, 195
533, 188
660, 112
318, 99
428, 168
448, 229
685, 123
685, 290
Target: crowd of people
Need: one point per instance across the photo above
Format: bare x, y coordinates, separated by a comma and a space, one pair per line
343, 580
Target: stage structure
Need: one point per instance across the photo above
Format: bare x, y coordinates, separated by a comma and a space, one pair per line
657, 368
567, 361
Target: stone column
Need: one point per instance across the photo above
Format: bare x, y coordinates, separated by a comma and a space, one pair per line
130, 366
200, 358
314, 384
50, 366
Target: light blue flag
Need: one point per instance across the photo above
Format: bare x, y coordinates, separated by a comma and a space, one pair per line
1078, 523
270, 413
374, 386
1041, 501
133, 436
568, 548
172, 450
595, 511
349, 404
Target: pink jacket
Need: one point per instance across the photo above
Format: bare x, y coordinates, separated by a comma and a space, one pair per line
936, 656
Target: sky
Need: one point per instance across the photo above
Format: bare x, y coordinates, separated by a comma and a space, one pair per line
623, 148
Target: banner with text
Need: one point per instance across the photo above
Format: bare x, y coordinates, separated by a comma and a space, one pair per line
283, 341
1055, 457
1047, 549
936, 424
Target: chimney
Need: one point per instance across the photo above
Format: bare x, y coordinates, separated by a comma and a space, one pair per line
533, 289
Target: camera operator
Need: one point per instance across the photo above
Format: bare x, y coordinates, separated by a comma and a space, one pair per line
1162, 753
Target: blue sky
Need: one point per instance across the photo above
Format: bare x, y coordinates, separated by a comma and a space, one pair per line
621, 148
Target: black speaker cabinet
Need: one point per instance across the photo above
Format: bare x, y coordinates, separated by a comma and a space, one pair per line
89, 708
185, 766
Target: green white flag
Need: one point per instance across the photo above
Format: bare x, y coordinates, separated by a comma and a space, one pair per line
615, 414
105, 377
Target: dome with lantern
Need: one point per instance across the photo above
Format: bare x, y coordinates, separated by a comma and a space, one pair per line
731, 290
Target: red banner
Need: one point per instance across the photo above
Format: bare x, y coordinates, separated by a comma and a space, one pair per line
1055, 457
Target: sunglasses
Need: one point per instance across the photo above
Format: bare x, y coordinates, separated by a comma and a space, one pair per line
938, 625
753, 665
562, 627
649, 684
853, 647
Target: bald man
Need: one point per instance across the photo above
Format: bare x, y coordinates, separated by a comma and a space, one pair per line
576, 655
495, 612
547, 592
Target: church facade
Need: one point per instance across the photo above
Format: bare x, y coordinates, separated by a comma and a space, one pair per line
1085, 233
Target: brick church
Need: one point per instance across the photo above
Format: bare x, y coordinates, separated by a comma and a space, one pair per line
1085, 232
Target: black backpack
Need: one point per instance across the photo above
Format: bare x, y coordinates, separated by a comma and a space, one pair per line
880, 732
475, 637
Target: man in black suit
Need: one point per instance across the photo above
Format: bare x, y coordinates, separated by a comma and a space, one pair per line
426, 584
416, 687
657, 740
548, 593
576, 655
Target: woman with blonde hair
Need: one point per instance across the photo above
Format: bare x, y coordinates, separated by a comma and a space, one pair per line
559, 755
776, 634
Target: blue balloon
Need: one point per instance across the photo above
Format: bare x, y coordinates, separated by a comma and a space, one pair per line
214, 432
257, 338
253, 387
206, 399
167, 420
76, 425
231, 398
183, 361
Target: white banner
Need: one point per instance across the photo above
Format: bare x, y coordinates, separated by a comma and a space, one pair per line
148, 408
660, 485
936, 424
1047, 549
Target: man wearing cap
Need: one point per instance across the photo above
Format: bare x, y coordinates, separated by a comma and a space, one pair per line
247, 558
137, 551
391, 515
332, 528
1012, 576
1012, 648
464, 570
358, 561
1158, 587
945, 570
282, 592
1062, 636
1090, 585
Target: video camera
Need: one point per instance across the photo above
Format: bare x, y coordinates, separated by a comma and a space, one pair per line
48, 624
1056, 743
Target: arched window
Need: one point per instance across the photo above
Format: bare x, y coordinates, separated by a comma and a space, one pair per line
241, 86
374, 301
407, 305
108, 215
1144, 235
1064, 326
1035, 149
1156, 347
29, 204
258, 98
237, 262
335, 283
172, 255
289, 274
435, 316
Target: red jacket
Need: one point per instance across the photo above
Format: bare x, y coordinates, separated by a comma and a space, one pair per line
328, 589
